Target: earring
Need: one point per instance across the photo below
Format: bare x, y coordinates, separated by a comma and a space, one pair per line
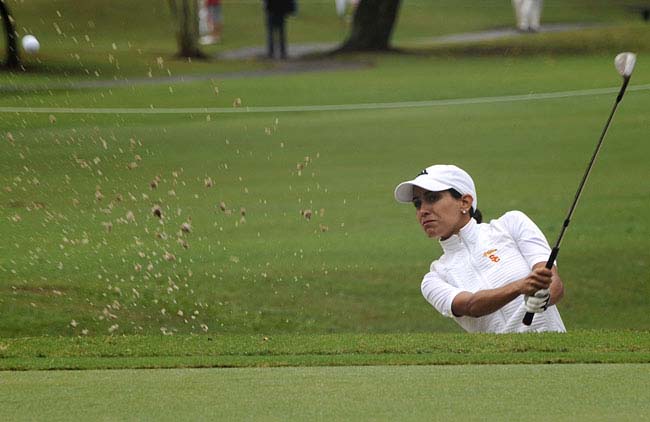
464, 211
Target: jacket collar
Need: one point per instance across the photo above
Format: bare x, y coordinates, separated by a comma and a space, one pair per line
467, 235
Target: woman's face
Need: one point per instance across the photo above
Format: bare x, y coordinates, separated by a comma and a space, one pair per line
440, 214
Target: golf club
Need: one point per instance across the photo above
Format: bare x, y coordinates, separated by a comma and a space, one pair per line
624, 63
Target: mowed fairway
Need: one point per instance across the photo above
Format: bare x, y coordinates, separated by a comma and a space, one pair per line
82, 244
450, 393
83, 254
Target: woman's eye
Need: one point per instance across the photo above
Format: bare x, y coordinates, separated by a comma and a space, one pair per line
417, 203
431, 197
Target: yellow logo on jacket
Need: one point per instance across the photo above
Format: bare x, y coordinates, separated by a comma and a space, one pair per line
491, 255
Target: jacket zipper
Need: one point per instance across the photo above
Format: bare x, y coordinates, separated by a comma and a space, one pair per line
480, 277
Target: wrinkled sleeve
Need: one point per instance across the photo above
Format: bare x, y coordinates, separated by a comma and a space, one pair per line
529, 238
438, 292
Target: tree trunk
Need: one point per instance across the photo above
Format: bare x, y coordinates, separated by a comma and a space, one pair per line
186, 15
372, 26
13, 54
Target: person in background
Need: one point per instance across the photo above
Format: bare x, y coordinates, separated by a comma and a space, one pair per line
528, 14
276, 12
214, 20
341, 7
345, 9
490, 274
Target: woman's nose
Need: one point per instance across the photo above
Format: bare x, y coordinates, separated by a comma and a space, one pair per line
425, 209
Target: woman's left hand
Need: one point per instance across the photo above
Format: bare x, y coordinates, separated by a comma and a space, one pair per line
538, 302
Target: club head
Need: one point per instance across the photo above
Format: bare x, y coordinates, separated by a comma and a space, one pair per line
624, 63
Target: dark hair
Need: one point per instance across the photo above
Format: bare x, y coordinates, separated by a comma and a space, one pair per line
476, 213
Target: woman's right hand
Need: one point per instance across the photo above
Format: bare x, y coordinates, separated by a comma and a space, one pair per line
538, 279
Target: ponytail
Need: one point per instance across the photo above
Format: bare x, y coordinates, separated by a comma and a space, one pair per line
475, 213
478, 216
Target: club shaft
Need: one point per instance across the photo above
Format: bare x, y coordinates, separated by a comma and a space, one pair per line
528, 318
590, 166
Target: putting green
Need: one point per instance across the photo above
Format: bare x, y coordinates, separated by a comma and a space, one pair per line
484, 392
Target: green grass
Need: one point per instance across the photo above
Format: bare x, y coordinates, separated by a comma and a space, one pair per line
126, 39
560, 392
355, 267
277, 271
300, 377
276, 317
131, 352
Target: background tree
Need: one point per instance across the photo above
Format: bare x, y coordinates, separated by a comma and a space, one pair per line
372, 26
13, 54
186, 17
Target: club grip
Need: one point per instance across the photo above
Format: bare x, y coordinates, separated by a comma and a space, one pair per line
552, 257
528, 318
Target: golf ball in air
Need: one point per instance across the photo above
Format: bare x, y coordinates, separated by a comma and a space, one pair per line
31, 44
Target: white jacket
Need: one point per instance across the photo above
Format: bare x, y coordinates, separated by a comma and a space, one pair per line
488, 256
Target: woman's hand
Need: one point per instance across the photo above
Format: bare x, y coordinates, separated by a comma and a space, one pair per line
484, 302
539, 279
538, 302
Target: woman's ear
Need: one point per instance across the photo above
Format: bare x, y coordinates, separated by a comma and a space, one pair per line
466, 201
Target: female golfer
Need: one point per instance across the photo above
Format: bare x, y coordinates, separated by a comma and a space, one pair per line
490, 274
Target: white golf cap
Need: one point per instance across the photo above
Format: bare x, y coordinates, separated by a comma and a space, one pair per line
438, 178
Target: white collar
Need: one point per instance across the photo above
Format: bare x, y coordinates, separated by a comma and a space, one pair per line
467, 234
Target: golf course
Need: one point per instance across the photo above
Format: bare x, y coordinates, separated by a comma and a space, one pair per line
217, 238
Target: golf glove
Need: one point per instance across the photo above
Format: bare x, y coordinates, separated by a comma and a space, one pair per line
538, 302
